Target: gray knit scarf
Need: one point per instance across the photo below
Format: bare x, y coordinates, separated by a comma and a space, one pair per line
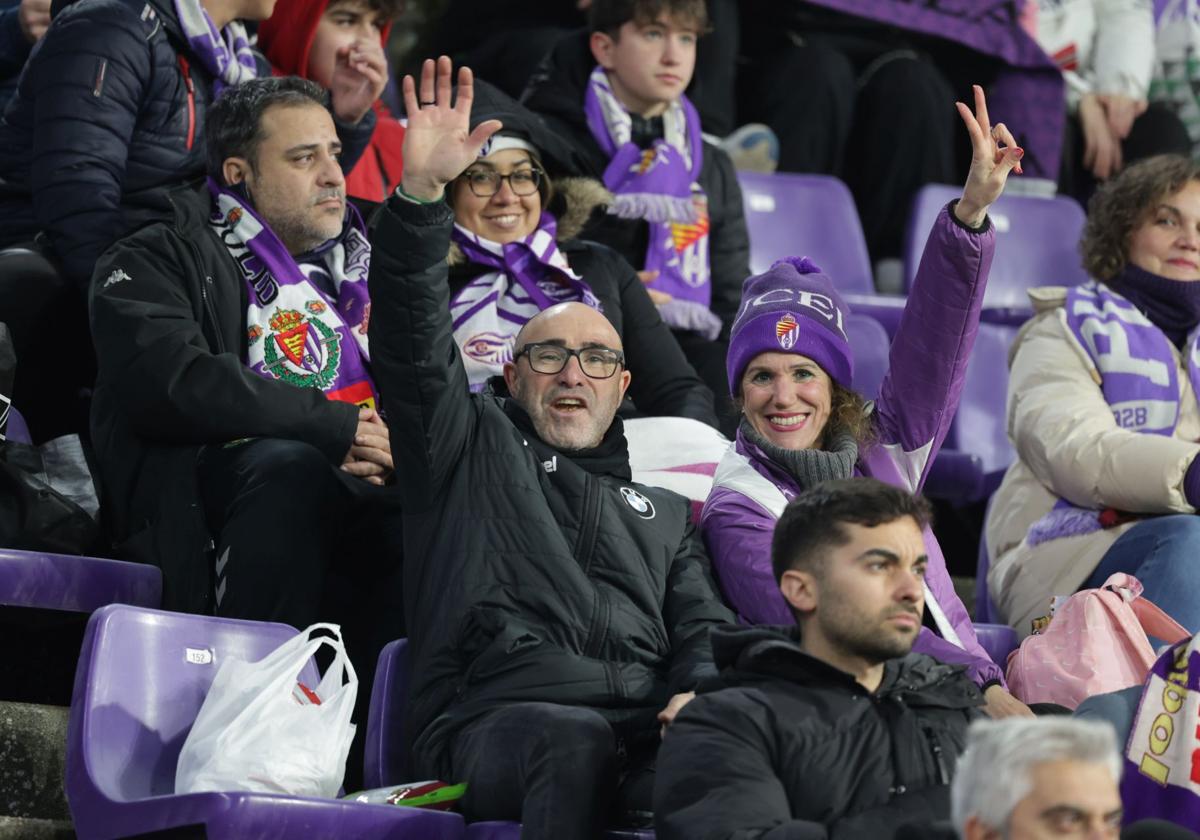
809, 467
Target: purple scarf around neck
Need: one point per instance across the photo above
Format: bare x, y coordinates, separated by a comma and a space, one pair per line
1171, 305
529, 275
1162, 775
225, 54
1138, 374
660, 185
296, 331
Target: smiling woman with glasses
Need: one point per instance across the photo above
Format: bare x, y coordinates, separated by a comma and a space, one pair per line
514, 254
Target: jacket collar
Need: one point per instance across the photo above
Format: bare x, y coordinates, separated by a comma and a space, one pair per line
610, 457
754, 654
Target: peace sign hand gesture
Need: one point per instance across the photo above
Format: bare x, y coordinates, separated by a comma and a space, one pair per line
438, 143
990, 162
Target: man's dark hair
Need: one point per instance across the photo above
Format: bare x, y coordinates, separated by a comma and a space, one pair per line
608, 16
814, 521
388, 9
234, 126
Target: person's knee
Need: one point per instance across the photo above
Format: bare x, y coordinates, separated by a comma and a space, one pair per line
272, 463
583, 728
1158, 131
1181, 531
905, 77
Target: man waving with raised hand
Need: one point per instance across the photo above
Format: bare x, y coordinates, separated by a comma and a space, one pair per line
556, 609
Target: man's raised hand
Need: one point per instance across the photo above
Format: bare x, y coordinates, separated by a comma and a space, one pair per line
438, 142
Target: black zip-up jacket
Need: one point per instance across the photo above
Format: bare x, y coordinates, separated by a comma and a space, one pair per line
556, 92
790, 748
529, 574
168, 315
109, 116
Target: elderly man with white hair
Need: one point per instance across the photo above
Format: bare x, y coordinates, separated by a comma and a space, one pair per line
1049, 777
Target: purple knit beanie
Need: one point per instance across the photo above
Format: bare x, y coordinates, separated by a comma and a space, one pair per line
791, 308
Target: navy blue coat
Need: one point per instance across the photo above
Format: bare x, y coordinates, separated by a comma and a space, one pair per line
109, 116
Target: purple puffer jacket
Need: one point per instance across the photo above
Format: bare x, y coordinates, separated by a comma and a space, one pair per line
916, 404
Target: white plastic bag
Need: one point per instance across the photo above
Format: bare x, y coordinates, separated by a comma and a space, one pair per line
259, 731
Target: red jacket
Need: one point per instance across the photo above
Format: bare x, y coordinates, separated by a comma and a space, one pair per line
286, 38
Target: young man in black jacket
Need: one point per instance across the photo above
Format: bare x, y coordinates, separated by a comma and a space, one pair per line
557, 611
235, 412
616, 93
831, 728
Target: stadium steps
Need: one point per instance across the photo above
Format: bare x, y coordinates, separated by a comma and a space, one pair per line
33, 802
18, 828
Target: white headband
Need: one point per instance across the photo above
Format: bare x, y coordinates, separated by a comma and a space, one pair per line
500, 142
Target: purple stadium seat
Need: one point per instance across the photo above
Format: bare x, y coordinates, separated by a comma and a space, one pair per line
814, 215
980, 426
999, 640
985, 609
870, 343
75, 584
141, 679
1036, 245
386, 759
16, 430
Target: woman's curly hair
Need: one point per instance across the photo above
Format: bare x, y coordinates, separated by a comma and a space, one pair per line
1123, 204
849, 414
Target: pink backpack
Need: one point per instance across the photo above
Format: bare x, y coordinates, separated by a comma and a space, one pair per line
1095, 643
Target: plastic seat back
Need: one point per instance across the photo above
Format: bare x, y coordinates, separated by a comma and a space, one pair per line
142, 677
791, 215
1037, 244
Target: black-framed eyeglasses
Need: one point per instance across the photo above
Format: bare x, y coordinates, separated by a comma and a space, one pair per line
485, 183
595, 362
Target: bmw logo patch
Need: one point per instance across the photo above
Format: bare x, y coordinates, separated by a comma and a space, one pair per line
642, 506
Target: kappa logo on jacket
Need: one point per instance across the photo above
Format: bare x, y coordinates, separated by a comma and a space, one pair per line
642, 506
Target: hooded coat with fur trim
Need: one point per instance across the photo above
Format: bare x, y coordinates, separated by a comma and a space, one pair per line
664, 382
286, 38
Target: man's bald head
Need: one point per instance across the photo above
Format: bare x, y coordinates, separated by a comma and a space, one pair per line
568, 316
569, 409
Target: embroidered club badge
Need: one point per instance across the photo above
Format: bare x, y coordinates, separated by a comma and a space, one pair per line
787, 330
642, 506
302, 351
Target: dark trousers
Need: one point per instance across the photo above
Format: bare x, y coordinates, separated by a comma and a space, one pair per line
560, 770
883, 120
299, 541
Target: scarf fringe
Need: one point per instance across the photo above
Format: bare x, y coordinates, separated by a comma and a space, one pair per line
1067, 521
660, 209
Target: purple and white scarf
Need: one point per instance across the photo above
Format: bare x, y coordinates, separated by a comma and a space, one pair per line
225, 54
660, 185
530, 275
296, 332
1134, 362
1162, 773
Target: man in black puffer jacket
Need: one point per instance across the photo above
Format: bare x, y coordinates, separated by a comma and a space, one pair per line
647, 105
557, 611
831, 728
109, 116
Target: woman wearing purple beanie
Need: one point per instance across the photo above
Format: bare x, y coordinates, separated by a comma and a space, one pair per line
790, 368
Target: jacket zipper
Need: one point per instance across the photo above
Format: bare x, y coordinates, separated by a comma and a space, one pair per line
584, 552
191, 96
938, 758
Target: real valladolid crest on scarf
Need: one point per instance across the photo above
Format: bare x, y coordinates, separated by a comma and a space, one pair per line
660, 185
295, 331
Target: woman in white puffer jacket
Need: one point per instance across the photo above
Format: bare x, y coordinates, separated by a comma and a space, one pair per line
1103, 412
